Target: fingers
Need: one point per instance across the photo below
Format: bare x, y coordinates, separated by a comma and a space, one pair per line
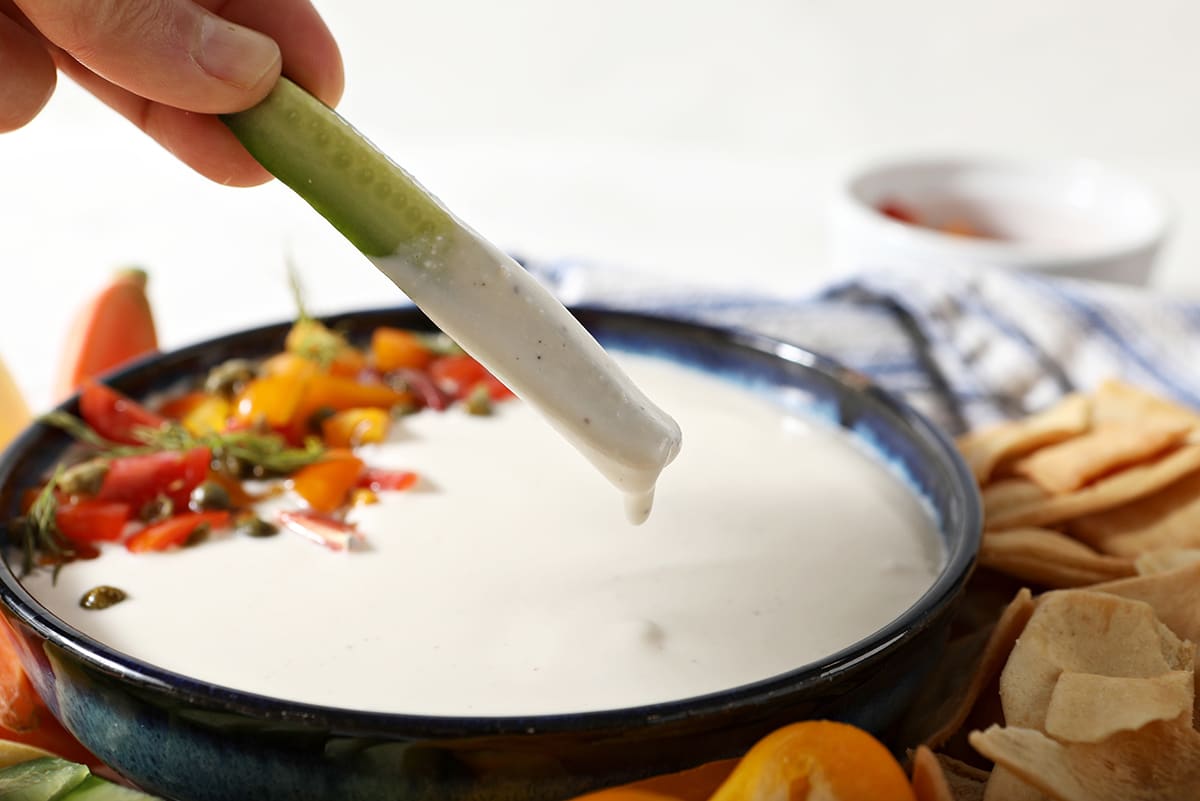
26, 75
173, 52
310, 54
157, 61
199, 140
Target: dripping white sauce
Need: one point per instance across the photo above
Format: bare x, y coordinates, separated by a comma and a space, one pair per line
503, 317
508, 584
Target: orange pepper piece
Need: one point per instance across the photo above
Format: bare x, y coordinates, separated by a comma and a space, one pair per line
325, 485
348, 362
338, 393
835, 759
275, 396
393, 349
355, 427
286, 364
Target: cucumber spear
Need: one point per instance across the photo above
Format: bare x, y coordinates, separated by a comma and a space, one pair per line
478, 295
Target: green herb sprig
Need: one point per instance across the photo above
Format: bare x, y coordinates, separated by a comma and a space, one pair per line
37, 531
263, 454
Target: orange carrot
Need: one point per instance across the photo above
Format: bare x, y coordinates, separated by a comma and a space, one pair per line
696, 784
23, 716
114, 327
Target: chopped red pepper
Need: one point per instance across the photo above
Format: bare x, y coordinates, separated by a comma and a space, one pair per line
115, 416
378, 479
137, 480
175, 531
459, 375
93, 521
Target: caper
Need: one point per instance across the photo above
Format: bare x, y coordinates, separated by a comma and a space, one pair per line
320, 416
102, 597
209, 495
479, 402
84, 478
160, 508
254, 526
229, 377
199, 534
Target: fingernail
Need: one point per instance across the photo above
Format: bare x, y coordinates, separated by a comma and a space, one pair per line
235, 54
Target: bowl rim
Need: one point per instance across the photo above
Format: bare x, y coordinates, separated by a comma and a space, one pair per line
1013, 254
957, 567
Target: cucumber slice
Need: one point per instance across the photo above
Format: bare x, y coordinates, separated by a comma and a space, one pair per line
45, 779
93, 788
369, 198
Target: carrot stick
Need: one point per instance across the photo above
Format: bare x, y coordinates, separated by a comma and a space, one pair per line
114, 327
23, 716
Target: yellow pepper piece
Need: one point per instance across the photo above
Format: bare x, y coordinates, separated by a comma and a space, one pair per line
355, 427
209, 415
14, 413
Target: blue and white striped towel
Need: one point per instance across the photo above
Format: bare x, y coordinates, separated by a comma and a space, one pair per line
965, 347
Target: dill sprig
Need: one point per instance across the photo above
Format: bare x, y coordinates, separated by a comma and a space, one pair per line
309, 338
264, 454
38, 530
261, 454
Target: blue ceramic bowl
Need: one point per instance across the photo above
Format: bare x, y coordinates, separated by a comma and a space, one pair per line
193, 741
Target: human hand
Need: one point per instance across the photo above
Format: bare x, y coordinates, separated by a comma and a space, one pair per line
167, 65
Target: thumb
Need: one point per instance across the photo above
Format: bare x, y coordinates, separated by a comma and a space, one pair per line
170, 51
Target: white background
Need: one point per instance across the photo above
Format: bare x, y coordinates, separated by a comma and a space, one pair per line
699, 141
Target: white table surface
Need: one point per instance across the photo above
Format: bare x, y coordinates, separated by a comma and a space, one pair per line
700, 140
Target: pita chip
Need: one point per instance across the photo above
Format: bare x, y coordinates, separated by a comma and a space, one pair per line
1120, 488
1049, 558
1069, 465
985, 449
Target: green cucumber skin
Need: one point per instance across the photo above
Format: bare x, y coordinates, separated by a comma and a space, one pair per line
44, 779
372, 201
94, 788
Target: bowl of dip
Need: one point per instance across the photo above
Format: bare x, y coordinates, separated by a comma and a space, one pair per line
507, 633
1075, 219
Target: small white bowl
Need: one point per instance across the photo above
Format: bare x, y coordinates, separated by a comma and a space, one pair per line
1076, 218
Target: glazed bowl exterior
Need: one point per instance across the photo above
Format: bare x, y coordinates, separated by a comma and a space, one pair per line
193, 741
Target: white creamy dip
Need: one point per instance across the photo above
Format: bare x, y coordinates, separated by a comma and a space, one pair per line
503, 317
508, 584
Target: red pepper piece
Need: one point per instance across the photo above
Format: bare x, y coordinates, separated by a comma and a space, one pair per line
115, 416
137, 480
378, 479
93, 521
175, 531
459, 375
